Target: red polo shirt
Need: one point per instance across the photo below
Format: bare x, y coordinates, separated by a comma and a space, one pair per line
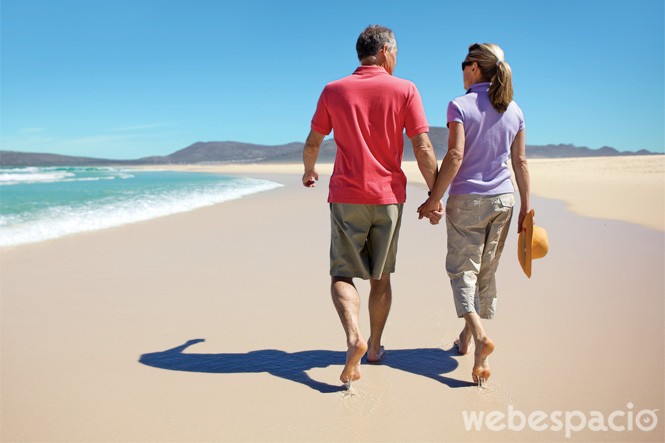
369, 111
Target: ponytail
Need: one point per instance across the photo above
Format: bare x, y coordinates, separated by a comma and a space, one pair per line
495, 70
501, 88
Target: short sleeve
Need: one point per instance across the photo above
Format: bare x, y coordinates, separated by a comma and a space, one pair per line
454, 113
415, 121
321, 122
522, 122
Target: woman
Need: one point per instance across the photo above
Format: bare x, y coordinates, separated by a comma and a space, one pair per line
486, 129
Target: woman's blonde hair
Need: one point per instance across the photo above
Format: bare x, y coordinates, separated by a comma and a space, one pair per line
494, 69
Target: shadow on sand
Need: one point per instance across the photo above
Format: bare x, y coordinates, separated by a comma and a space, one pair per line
426, 362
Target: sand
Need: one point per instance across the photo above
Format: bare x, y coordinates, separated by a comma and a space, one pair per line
217, 325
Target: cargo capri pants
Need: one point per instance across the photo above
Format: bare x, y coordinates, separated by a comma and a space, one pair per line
477, 228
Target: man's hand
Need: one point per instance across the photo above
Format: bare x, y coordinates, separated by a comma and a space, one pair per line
309, 155
431, 209
310, 178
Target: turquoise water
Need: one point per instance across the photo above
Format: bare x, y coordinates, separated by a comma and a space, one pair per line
37, 204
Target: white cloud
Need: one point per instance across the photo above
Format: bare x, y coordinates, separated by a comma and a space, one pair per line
139, 127
31, 130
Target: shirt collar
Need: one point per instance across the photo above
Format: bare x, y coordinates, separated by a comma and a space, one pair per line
479, 87
370, 70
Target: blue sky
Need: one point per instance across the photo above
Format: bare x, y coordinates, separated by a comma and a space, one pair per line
132, 78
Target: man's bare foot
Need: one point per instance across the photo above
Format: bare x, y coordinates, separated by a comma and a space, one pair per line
463, 341
481, 368
374, 356
351, 371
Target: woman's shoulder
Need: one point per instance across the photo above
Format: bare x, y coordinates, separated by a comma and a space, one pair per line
515, 108
462, 100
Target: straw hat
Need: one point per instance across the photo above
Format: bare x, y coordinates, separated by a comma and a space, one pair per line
536, 237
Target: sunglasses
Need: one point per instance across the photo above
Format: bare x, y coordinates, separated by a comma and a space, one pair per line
465, 64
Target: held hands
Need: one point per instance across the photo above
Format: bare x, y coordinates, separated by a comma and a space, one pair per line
431, 209
310, 178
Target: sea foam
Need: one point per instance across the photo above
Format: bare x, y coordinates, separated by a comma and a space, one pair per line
31, 175
108, 209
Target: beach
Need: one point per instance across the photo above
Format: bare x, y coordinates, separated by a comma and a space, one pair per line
217, 325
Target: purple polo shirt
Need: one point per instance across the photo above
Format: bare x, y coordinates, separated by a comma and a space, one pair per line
488, 137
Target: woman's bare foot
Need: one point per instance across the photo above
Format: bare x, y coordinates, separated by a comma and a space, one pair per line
351, 371
464, 341
374, 356
481, 368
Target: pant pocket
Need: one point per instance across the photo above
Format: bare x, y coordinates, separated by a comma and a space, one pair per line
507, 200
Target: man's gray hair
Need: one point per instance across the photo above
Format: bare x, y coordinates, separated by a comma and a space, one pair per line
372, 39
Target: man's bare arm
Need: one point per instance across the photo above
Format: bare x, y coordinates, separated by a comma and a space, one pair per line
424, 152
309, 155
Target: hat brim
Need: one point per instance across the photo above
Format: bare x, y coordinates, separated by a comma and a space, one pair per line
524, 250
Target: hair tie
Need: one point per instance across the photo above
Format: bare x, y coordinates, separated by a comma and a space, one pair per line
497, 62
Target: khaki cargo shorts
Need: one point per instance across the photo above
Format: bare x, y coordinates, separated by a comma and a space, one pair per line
363, 239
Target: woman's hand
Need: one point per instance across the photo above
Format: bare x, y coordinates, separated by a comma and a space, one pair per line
431, 209
520, 218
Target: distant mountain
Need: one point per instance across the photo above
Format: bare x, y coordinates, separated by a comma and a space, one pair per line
15, 159
236, 152
566, 151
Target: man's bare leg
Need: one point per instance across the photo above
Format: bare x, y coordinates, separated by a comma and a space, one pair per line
484, 347
380, 299
347, 302
464, 340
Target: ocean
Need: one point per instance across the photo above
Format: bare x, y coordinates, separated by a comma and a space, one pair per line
38, 204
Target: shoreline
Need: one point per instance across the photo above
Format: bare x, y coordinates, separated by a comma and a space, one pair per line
629, 189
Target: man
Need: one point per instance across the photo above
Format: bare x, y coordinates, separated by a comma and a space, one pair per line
368, 110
